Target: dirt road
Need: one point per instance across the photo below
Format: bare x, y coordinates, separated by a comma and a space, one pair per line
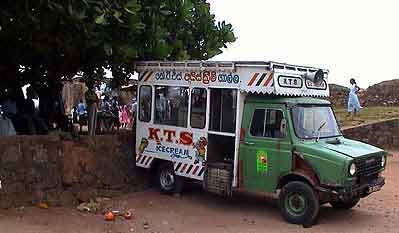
197, 212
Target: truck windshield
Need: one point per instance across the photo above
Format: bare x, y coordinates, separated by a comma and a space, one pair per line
314, 121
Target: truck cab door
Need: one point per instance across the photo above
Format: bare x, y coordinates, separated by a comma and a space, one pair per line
265, 150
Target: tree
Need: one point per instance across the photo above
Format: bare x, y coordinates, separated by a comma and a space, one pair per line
44, 41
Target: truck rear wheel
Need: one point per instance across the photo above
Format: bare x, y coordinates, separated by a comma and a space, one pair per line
346, 205
299, 203
168, 181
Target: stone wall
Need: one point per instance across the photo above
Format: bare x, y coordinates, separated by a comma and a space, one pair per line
64, 172
383, 134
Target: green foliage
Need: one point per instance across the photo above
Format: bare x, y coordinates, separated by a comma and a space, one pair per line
46, 40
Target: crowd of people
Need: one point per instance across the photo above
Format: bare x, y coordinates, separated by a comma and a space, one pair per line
38, 109
22, 114
103, 113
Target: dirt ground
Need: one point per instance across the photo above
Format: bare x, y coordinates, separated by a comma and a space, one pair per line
196, 212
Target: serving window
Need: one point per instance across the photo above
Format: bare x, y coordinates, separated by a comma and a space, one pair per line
198, 108
171, 105
145, 103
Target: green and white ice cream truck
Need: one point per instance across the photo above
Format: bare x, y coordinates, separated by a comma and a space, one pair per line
251, 126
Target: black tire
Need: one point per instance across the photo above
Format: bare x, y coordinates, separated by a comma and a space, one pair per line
301, 194
345, 205
168, 181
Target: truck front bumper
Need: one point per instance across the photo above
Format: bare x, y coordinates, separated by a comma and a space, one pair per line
355, 191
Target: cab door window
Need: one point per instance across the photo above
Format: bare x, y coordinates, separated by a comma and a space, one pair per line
267, 123
258, 123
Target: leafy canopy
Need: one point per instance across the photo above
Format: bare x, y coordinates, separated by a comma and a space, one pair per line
46, 40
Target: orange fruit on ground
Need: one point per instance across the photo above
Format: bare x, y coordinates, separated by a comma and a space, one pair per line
109, 216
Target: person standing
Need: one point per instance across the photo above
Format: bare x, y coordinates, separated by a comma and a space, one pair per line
124, 116
353, 99
134, 111
6, 126
115, 112
161, 105
92, 102
106, 116
81, 114
81, 108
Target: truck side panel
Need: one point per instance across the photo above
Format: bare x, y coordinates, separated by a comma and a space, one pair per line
183, 147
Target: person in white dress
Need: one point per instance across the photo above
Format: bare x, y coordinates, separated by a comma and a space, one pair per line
353, 100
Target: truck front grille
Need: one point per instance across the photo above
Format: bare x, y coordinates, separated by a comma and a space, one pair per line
368, 166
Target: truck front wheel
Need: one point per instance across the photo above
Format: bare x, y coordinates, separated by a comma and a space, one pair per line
349, 204
299, 203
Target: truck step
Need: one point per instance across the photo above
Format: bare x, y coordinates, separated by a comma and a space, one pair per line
218, 178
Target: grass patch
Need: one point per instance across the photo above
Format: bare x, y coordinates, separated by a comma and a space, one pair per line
367, 115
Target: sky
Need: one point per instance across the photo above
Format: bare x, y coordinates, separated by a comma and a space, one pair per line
352, 38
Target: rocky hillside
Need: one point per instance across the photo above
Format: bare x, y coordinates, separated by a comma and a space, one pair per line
338, 94
382, 94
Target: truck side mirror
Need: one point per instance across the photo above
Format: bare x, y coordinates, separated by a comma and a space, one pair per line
283, 127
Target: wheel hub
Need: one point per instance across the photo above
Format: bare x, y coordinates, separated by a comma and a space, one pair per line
296, 204
167, 179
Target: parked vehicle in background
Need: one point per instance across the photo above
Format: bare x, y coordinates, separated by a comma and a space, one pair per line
252, 126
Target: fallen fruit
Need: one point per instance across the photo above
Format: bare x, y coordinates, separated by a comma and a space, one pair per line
42, 205
109, 216
128, 215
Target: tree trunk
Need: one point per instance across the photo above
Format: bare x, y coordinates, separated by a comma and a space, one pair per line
92, 119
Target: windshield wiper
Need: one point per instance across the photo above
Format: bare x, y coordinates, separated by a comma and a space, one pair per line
318, 130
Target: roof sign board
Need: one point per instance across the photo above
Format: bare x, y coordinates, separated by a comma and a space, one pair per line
250, 77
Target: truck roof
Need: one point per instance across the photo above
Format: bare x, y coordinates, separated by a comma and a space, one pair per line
285, 99
250, 77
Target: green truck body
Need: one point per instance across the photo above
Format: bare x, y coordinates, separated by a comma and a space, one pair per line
328, 158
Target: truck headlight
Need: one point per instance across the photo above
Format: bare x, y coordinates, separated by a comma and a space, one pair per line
383, 161
352, 169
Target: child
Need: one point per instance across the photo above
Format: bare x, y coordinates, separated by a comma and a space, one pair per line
124, 116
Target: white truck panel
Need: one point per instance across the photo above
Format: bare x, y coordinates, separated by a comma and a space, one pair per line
250, 77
